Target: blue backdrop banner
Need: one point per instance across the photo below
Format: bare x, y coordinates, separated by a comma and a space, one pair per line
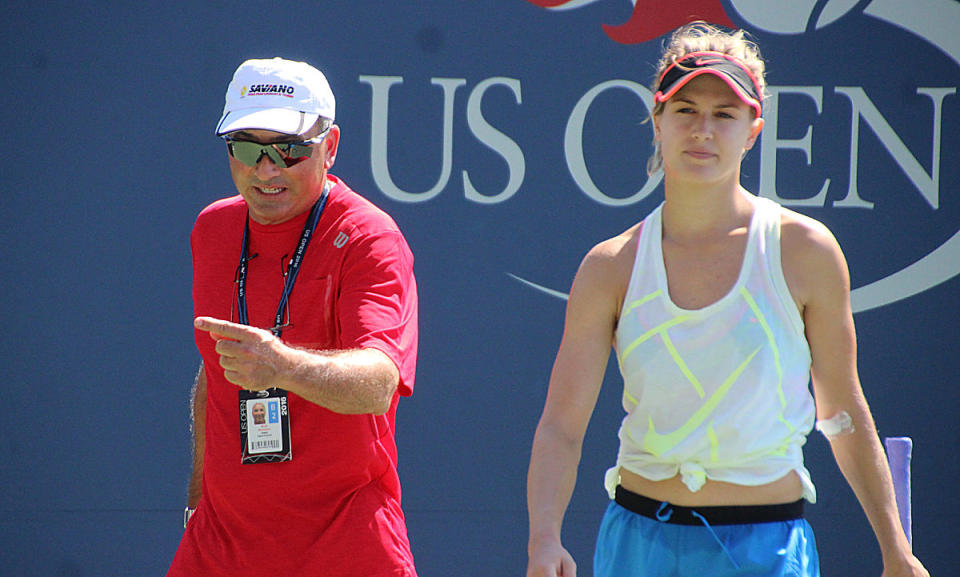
506, 137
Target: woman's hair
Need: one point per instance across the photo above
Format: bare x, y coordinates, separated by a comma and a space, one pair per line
702, 37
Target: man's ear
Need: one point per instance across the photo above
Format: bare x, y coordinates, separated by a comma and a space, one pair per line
331, 142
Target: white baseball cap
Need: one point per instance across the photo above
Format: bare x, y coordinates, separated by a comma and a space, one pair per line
278, 95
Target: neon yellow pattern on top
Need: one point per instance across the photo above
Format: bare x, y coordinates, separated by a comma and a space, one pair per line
658, 443
744, 357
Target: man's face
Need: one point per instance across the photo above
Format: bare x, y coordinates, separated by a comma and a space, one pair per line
275, 194
259, 414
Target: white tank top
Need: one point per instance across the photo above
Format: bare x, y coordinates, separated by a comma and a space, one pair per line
720, 392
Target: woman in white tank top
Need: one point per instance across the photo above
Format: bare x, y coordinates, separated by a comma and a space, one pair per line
720, 306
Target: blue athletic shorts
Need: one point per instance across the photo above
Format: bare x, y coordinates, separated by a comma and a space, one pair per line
632, 545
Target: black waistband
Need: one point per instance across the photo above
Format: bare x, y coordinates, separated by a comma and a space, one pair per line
723, 515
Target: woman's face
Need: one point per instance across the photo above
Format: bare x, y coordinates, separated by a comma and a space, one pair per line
704, 131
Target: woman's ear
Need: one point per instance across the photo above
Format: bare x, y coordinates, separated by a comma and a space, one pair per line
755, 129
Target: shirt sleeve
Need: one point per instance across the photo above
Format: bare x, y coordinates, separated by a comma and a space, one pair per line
377, 302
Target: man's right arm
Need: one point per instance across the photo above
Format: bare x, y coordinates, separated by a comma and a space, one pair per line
198, 412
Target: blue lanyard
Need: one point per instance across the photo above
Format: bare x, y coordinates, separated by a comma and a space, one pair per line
292, 269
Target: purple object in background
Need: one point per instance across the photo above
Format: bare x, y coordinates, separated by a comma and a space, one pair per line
899, 452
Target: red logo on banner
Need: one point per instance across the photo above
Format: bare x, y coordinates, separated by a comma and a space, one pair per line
653, 18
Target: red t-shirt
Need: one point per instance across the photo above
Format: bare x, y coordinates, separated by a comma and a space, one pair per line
334, 509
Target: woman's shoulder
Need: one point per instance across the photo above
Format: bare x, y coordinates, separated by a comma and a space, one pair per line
803, 235
605, 271
811, 257
616, 251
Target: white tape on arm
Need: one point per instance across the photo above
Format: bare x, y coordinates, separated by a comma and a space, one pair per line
839, 424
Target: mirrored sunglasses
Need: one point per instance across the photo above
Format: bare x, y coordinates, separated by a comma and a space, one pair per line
282, 154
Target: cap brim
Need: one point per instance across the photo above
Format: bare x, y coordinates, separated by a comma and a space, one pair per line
663, 96
281, 120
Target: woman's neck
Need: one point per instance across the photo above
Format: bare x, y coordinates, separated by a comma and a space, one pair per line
704, 212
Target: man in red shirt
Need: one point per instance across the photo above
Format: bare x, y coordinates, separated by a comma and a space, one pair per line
306, 320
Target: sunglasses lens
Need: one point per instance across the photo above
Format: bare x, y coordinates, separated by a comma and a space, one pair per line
248, 153
275, 155
285, 155
293, 153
